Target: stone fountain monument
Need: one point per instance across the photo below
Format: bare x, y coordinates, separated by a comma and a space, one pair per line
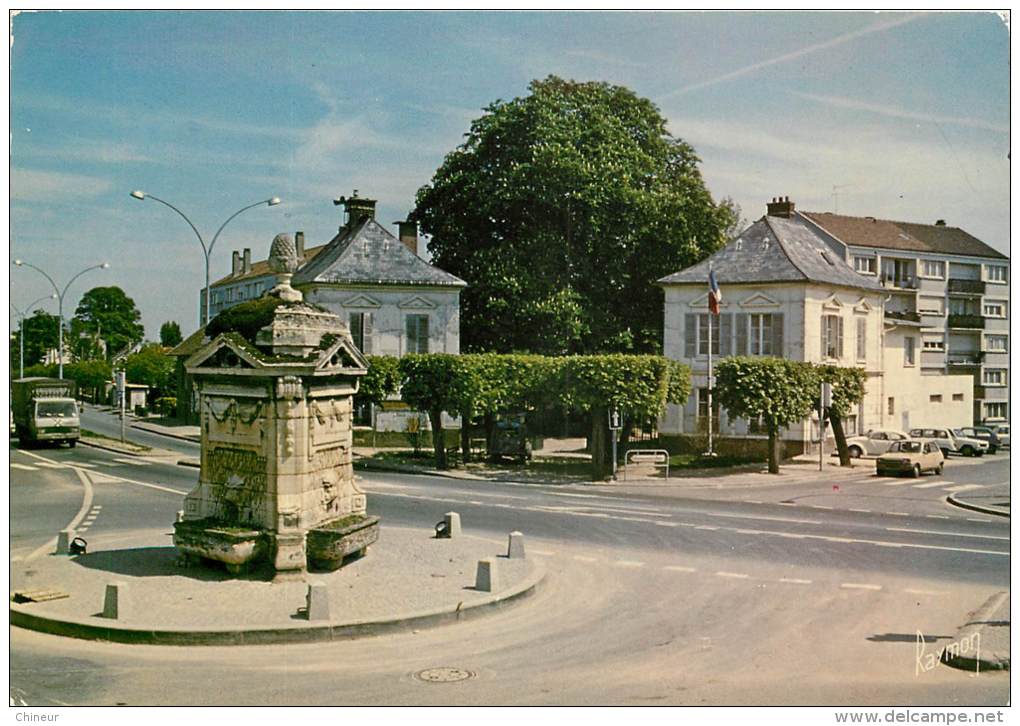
275, 391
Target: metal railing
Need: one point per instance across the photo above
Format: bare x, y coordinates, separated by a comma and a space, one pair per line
966, 321
659, 458
966, 287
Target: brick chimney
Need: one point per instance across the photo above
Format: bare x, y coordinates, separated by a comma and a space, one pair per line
235, 264
408, 234
246, 267
299, 243
780, 207
357, 208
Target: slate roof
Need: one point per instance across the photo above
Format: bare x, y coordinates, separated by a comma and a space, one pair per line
260, 268
775, 249
907, 236
370, 254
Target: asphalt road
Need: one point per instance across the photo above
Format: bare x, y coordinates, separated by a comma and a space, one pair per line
763, 596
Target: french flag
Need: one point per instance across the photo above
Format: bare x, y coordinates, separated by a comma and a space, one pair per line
714, 294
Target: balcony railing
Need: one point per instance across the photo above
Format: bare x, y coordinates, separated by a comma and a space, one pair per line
966, 321
965, 359
966, 287
899, 283
903, 315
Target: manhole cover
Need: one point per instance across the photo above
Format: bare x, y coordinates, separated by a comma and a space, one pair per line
443, 675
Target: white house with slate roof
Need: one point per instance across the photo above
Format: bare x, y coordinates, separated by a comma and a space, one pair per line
787, 293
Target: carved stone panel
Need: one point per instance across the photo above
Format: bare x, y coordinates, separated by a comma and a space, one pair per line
237, 484
234, 420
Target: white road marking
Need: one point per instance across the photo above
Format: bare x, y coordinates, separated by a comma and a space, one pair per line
83, 464
787, 504
923, 592
794, 581
24, 467
862, 511
86, 504
585, 558
736, 575
628, 563
818, 506
965, 488
859, 586
945, 534
110, 464
930, 485
977, 519
679, 568
134, 462
896, 483
706, 527
937, 516
899, 514
667, 524
53, 465
753, 501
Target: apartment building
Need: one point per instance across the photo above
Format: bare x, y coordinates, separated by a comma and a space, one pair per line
949, 282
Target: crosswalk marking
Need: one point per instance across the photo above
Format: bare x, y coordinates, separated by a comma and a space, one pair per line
51, 465
794, 581
735, 575
859, 586
82, 464
134, 462
679, 568
24, 467
628, 563
930, 485
897, 483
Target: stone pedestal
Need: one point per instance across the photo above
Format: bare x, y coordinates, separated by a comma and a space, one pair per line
276, 411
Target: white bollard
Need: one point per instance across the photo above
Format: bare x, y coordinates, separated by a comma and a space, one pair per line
64, 538
115, 603
487, 576
452, 524
317, 602
515, 547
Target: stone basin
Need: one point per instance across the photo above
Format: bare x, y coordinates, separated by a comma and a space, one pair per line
330, 542
236, 547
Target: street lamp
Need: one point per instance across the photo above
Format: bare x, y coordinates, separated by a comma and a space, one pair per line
21, 314
207, 251
60, 301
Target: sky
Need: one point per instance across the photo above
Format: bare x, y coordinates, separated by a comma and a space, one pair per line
900, 116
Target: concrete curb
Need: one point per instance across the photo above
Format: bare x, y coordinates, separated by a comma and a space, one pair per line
195, 463
397, 469
181, 437
114, 449
985, 660
951, 499
96, 629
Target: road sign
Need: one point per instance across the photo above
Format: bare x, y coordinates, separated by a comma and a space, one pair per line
614, 419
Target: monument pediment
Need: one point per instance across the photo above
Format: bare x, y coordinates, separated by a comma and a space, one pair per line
222, 352
832, 303
340, 355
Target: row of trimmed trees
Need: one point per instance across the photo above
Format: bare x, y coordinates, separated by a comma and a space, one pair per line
486, 384
776, 391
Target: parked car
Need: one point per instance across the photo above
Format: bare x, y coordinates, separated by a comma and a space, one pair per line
1002, 431
873, 443
912, 456
950, 443
983, 433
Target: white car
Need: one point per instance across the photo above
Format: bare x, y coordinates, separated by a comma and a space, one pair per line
1002, 431
950, 443
874, 443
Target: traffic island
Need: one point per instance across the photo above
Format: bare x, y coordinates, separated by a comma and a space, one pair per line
412, 580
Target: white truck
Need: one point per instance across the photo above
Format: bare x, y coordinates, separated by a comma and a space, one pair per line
44, 409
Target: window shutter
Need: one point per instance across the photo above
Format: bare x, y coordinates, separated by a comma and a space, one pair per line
741, 334
825, 337
410, 335
690, 335
777, 335
839, 337
366, 333
423, 334
725, 334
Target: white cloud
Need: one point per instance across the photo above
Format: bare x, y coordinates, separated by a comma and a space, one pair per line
38, 185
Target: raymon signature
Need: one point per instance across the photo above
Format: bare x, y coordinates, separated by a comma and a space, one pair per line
925, 661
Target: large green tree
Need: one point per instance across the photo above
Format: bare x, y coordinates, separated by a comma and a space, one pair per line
110, 314
848, 390
561, 210
41, 335
170, 334
151, 366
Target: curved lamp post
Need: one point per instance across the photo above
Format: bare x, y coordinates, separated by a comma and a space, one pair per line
206, 250
21, 315
60, 301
